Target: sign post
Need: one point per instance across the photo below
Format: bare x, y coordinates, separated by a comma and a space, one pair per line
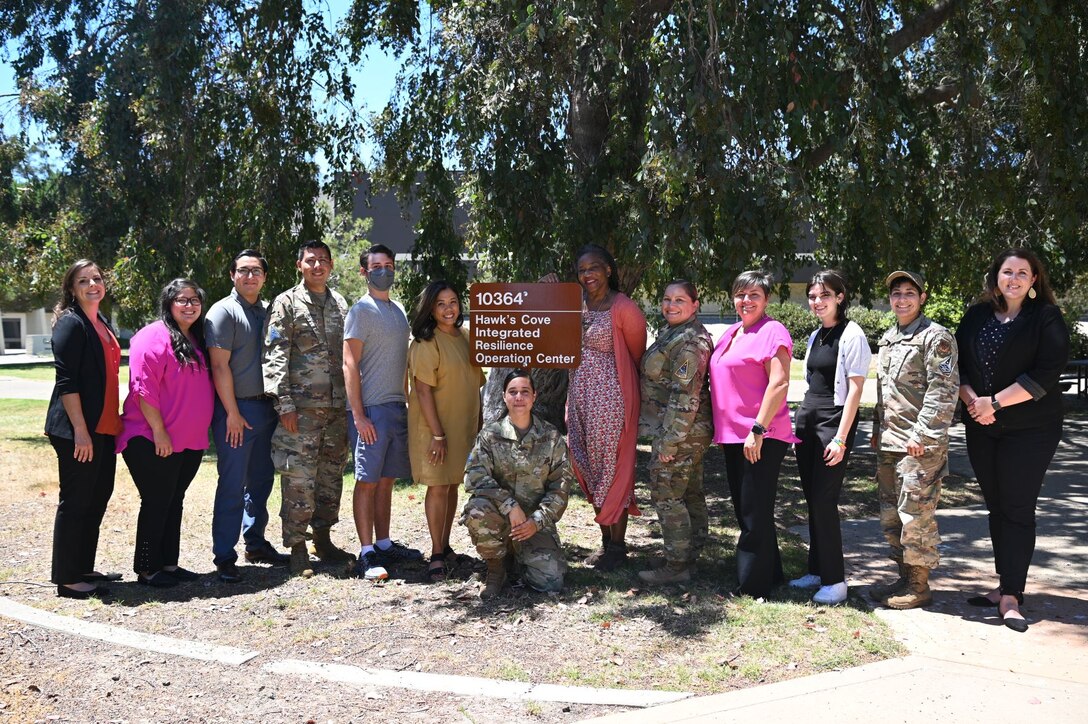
526, 325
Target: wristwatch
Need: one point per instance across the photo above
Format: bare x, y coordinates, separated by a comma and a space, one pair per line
995, 403
758, 429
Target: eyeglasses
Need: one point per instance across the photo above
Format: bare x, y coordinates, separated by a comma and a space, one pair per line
187, 301
249, 271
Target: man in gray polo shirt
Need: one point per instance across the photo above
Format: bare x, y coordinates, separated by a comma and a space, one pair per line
243, 421
375, 378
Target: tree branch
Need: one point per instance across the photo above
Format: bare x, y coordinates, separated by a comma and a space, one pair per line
939, 94
921, 26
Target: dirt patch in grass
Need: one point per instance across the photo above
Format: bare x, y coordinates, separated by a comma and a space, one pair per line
601, 631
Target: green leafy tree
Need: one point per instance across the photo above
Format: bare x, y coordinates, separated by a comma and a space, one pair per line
697, 138
348, 238
189, 129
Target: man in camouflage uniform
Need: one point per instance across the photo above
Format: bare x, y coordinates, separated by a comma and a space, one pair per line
676, 414
917, 393
303, 374
531, 475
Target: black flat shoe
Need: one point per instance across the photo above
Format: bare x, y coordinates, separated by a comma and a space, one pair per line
984, 602
1016, 624
97, 577
182, 574
65, 592
161, 579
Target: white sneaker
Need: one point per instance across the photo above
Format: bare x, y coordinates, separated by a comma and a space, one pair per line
368, 568
831, 595
806, 581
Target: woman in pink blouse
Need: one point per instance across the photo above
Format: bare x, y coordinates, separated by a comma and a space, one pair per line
749, 378
166, 418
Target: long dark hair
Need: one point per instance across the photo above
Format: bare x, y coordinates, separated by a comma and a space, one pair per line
1044, 294
834, 281
423, 323
604, 255
68, 287
185, 351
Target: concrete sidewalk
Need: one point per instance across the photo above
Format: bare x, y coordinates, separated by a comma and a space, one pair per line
13, 388
964, 664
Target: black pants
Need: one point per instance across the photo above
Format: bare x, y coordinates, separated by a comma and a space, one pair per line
162, 483
85, 490
1009, 466
753, 488
817, 422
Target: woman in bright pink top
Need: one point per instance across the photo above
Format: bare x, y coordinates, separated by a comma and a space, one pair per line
749, 378
166, 418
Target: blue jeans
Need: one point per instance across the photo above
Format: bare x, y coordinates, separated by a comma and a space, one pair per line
246, 475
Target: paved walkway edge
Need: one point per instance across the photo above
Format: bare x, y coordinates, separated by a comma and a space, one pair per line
474, 686
415, 680
124, 637
835, 695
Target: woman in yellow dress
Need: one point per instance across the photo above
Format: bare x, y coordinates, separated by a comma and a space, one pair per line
443, 412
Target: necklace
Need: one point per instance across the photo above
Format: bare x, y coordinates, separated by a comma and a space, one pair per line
822, 338
586, 321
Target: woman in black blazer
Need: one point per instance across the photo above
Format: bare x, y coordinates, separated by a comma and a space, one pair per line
1013, 346
81, 423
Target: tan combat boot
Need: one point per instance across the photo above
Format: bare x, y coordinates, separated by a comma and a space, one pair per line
881, 591
669, 573
300, 561
496, 577
916, 594
326, 550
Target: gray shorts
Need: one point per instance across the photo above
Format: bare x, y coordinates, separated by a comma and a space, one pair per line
388, 456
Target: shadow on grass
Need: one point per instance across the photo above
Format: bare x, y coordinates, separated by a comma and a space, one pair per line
38, 441
691, 610
132, 594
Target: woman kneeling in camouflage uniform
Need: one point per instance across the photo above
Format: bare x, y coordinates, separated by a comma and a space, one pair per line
676, 414
518, 480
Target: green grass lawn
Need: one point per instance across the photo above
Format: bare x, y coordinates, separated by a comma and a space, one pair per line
44, 372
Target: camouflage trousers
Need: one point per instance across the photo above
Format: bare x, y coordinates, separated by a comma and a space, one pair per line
909, 489
676, 491
311, 467
541, 557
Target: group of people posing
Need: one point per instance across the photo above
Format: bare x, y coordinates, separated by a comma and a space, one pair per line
273, 383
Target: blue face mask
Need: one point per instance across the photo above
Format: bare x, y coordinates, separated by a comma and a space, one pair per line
380, 279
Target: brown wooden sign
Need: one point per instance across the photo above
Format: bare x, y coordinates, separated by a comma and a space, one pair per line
526, 325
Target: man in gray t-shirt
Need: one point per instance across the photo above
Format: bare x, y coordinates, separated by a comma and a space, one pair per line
243, 421
375, 378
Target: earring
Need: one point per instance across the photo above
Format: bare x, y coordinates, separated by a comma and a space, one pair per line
1032, 293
